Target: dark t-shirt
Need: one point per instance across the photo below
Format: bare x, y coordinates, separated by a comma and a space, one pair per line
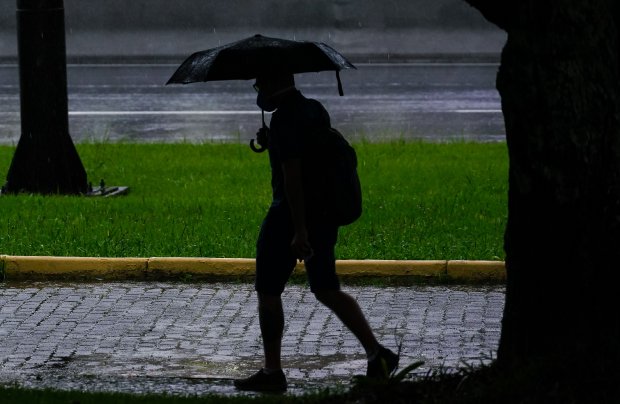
291, 128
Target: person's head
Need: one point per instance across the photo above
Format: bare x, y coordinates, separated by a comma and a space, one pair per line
272, 88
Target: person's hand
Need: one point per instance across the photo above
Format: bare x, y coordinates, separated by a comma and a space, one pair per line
262, 135
262, 139
301, 246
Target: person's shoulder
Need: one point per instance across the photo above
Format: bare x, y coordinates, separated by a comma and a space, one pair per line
306, 100
317, 110
315, 103
312, 104
295, 104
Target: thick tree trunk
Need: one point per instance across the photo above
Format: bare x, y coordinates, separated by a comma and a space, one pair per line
559, 84
45, 160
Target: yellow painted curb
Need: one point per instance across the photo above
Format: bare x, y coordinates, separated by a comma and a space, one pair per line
390, 268
171, 266
88, 268
21, 268
476, 270
2, 259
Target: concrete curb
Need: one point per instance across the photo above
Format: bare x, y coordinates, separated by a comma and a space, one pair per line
102, 268
42, 267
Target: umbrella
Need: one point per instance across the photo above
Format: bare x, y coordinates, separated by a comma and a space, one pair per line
251, 57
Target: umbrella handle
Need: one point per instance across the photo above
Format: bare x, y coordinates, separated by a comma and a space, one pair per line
256, 149
264, 129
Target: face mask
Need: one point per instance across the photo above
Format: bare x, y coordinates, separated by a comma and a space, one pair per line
264, 103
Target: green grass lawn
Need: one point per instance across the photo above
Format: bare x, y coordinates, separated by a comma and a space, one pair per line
421, 201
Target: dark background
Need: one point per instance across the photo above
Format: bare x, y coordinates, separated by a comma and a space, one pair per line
283, 14
160, 28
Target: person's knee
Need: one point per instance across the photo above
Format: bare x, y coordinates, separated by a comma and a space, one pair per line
327, 297
269, 302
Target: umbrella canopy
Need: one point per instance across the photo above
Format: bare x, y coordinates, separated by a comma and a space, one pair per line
257, 55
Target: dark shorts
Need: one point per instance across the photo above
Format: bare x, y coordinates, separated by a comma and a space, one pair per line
275, 261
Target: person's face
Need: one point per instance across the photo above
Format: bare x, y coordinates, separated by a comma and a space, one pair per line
265, 86
265, 89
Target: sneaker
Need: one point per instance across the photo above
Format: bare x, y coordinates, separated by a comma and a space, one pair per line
263, 381
382, 366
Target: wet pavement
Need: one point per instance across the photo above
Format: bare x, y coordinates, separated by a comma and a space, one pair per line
193, 339
411, 101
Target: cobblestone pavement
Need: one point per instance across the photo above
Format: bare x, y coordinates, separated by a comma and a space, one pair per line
191, 339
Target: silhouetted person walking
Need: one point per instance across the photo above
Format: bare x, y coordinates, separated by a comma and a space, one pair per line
291, 231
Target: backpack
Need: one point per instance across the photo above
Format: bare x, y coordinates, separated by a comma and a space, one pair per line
333, 186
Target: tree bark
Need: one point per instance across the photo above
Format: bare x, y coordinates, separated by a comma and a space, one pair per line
45, 160
559, 84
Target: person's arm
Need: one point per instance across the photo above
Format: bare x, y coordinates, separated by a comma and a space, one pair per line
295, 195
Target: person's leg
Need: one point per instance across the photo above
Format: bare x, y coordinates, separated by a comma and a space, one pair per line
324, 283
381, 361
350, 313
274, 264
271, 318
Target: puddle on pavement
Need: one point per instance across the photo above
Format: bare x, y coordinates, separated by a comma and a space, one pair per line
179, 377
142, 384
